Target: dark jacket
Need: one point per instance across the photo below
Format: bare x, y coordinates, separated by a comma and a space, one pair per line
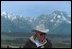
30, 44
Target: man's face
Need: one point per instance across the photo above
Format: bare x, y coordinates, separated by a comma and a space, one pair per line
40, 35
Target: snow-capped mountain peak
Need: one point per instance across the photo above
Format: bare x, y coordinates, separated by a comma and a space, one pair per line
11, 17
4, 14
60, 16
56, 22
8, 16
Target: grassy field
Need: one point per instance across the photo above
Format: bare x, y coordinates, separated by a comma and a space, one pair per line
16, 43
58, 41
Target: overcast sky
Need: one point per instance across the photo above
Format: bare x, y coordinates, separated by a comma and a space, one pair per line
35, 8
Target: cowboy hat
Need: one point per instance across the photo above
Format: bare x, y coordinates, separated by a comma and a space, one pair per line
41, 28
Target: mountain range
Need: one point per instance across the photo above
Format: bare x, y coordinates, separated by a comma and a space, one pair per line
58, 22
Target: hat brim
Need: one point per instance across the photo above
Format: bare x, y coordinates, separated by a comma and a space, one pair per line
38, 31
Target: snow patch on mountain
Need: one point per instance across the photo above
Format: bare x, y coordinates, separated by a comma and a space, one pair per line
11, 17
59, 16
51, 20
23, 23
65, 19
4, 14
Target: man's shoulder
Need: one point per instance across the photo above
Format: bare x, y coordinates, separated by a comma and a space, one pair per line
29, 44
29, 40
49, 43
